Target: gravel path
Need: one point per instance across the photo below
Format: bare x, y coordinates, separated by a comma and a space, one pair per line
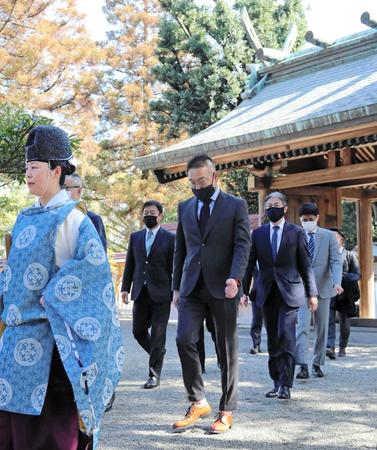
336, 412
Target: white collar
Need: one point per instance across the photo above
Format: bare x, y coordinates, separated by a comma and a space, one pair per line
280, 224
154, 230
60, 197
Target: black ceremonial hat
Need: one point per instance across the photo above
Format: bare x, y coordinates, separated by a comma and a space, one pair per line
47, 143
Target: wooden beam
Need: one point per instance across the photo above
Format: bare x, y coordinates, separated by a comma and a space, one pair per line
357, 183
336, 174
346, 156
339, 209
331, 159
366, 259
371, 194
351, 193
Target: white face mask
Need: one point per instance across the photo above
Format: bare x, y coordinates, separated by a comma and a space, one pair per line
310, 225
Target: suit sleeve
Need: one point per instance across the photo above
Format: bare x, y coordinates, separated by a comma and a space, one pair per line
171, 254
102, 232
305, 265
336, 263
250, 266
241, 243
179, 253
129, 267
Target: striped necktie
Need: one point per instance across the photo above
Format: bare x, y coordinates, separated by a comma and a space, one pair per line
311, 245
274, 242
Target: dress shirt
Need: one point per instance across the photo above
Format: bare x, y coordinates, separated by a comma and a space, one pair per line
212, 203
280, 231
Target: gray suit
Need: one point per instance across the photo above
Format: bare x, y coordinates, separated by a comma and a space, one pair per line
327, 267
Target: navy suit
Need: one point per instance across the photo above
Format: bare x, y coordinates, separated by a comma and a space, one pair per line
99, 226
202, 264
150, 277
282, 286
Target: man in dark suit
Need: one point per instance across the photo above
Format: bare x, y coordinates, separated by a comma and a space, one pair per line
284, 280
149, 267
73, 185
211, 254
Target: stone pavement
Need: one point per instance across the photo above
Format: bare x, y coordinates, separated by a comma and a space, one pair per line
337, 412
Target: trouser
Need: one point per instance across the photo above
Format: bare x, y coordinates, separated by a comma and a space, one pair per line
57, 428
344, 329
201, 346
191, 314
149, 314
256, 323
321, 324
280, 322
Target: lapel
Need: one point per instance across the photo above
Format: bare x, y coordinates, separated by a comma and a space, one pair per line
193, 213
143, 251
156, 240
266, 238
218, 208
317, 243
284, 240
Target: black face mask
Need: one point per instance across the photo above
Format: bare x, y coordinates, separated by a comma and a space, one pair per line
275, 214
150, 221
204, 194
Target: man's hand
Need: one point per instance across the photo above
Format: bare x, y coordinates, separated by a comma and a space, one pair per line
124, 296
313, 303
231, 288
338, 289
244, 300
175, 298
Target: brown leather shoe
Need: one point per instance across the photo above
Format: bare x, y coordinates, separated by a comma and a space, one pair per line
222, 423
193, 414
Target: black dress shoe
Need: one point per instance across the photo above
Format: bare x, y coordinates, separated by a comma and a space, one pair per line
273, 393
152, 382
341, 352
317, 372
255, 350
284, 393
303, 373
330, 353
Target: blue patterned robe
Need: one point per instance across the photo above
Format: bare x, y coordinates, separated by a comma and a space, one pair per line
80, 316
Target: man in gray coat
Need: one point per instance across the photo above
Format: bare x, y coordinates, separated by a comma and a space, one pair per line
327, 267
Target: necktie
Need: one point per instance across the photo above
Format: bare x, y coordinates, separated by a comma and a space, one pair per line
311, 245
149, 241
204, 216
274, 242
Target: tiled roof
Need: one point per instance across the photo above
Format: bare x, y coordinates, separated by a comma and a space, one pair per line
328, 89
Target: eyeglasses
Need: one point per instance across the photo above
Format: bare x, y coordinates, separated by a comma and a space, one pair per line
67, 188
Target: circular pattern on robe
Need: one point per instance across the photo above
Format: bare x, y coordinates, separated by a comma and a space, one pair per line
38, 396
64, 346
68, 288
109, 345
87, 418
94, 252
1, 343
26, 236
13, 316
88, 328
108, 390
28, 352
108, 295
115, 317
7, 274
52, 236
6, 392
35, 276
91, 375
120, 357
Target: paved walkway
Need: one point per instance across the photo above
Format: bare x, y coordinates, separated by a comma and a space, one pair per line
337, 412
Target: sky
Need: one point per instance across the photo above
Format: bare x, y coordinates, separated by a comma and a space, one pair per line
331, 19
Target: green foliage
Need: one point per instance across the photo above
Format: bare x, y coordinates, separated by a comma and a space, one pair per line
202, 55
15, 124
349, 228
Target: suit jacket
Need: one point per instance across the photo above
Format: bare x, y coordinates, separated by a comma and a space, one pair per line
154, 270
99, 226
345, 302
291, 270
220, 254
327, 263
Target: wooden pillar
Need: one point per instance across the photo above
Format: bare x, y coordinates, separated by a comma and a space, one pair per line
366, 258
262, 194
